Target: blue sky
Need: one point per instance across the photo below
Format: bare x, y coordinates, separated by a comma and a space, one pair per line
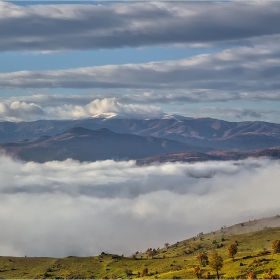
60, 60
82, 59
17, 61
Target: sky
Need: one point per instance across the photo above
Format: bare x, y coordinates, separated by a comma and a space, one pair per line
137, 59
216, 59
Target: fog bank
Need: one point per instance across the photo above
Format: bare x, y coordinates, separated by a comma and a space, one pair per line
71, 208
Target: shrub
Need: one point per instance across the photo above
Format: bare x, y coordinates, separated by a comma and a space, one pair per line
216, 262
144, 272
128, 272
202, 258
251, 275
232, 250
197, 272
276, 246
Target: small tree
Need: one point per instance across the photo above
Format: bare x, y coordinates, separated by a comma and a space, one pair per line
166, 245
251, 275
276, 246
128, 272
197, 272
216, 262
151, 252
270, 275
207, 275
202, 258
232, 250
144, 272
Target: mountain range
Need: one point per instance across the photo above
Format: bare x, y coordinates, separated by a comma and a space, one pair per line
169, 139
90, 145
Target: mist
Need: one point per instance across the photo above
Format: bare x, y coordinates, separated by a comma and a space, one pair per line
68, 208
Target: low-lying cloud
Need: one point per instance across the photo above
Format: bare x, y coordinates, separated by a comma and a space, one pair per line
16, 110
126, 106
106, 107
71, 208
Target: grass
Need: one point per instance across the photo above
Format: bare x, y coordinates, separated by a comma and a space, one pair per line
176, 261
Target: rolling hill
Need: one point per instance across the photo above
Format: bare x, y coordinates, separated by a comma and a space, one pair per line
175, 261
273, 153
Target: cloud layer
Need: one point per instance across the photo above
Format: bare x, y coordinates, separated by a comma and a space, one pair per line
246, 67
72, 208
106, 107
241, 73
127, 106
83, 27
17, 110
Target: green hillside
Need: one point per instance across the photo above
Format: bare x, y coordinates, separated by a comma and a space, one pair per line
177, 261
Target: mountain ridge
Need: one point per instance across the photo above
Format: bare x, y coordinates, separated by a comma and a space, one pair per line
215, 155
90, 145
203, 132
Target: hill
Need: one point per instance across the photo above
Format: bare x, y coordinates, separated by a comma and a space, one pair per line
91, 145
204, 132
253, 239
273, 153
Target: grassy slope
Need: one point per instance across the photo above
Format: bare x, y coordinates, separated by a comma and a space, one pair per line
174, 261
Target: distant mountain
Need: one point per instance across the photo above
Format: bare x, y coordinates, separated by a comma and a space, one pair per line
203, 132
273, 153
91, 145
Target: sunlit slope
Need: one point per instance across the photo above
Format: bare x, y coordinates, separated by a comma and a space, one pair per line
177, 260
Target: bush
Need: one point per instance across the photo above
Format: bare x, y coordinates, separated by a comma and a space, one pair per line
144, 272
232, 250
270, 275
251, 275
276, 246
202, 258
128, 272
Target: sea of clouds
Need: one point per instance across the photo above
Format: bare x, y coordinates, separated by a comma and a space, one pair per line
72, 208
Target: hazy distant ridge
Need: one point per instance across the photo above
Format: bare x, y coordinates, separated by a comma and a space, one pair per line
90, 145
204, 132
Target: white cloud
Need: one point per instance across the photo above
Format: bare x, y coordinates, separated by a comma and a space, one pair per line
17, 111
239, 73
135, 105
72, 208
83, 27
106, 107
233, 112
112, 106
